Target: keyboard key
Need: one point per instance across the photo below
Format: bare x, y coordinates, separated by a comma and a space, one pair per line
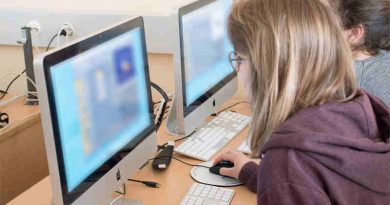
207, 141
215, 194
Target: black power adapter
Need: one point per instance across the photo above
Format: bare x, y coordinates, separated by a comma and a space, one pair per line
163, 159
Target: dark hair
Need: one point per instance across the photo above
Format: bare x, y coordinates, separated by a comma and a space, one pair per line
374, 15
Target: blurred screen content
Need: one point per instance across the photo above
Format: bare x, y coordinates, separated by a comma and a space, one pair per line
101, 103
206, 48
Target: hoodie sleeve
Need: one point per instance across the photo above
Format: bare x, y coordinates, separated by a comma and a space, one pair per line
282, 180
291, 194
248, 175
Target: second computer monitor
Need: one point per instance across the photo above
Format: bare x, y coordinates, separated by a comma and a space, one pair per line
204, 76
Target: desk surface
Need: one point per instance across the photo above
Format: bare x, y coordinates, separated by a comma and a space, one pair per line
21, 148
176, 180
20, 117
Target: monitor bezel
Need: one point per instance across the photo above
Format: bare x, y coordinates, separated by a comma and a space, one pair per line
214, 89
69, 52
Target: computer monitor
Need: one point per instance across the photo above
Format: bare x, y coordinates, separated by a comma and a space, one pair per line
96, 113
204, 78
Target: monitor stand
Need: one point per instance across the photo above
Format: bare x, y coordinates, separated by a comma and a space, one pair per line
171, 126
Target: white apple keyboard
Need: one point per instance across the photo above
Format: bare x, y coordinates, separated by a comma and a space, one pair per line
201, 194
208, 140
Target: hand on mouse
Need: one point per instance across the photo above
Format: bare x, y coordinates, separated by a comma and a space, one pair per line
237, 158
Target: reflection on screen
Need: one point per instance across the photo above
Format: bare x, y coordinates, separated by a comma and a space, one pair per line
206, 48
101, 103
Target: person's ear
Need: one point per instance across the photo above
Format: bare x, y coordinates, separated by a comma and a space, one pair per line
355, 35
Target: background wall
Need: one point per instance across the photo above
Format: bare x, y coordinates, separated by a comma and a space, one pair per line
91, 6
87, 16
11, 60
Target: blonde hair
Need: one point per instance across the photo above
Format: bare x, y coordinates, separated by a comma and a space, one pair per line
298, 55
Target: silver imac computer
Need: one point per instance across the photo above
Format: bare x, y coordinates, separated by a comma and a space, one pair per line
204, 78
96, 113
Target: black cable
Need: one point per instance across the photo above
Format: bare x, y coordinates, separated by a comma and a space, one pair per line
51, 41
176, 140
158, 102
5, 92
193, 165
166, 98
147, 183
155, 104
124, 190
235, 104
186, 163
193, 132
159, 147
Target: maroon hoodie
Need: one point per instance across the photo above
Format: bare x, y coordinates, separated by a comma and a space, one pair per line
336, 153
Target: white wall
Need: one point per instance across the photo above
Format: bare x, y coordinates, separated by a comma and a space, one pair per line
87, 17
111, 6
11, 60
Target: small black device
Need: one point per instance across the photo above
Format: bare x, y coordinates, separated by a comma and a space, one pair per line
163, 159
222, 164
4, 119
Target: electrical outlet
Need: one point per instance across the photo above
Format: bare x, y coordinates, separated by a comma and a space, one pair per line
35, 27
68, 28
158, 27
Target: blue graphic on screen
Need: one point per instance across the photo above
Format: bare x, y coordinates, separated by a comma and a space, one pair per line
206, 48
101, 103
124, 64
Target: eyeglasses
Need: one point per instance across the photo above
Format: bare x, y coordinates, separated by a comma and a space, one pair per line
235, 61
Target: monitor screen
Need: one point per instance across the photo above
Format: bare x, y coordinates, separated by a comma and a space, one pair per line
102, 103
205, 49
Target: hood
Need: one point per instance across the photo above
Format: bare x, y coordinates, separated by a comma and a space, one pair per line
350, 138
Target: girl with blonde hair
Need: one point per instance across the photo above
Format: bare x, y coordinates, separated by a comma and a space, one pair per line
321, 139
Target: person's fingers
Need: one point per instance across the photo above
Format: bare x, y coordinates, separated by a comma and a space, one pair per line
224, 157
218, 159
235, 152
227, 172
230, 156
